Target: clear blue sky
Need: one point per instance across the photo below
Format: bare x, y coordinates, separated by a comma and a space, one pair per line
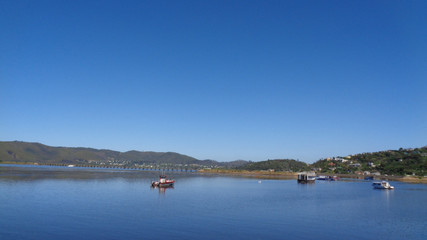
220, 80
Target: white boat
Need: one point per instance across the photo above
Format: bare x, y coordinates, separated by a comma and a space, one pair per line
382, 185
327, 178
71, 166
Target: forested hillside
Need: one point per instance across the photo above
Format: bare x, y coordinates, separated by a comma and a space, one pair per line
411, 161
277, 165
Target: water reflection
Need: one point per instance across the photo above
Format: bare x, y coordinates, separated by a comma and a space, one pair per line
162, 190
304, 185
387, 195
31, 173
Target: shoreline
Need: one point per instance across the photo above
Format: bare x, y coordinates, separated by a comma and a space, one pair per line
249, 174
293, 175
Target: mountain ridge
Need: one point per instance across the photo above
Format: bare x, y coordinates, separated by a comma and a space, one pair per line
23, 152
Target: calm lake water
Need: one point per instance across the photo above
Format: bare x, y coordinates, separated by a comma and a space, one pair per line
75, 203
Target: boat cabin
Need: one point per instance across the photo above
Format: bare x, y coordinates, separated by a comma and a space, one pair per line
306, 177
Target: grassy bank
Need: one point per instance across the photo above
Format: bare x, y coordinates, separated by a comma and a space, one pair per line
253, 174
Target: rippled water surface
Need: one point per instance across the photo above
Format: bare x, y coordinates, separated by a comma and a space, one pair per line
76, 203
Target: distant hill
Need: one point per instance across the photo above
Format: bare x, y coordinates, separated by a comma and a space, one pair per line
25, 152
277, 165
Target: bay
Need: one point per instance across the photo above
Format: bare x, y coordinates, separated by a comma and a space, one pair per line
78, 203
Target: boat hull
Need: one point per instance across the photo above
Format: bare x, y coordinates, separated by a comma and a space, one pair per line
306, 181
391, 187
165, 184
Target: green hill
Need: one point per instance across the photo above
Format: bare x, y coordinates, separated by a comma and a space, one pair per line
277, 165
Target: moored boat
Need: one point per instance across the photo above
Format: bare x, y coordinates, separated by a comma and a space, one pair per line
306, 177
327, 178
382, 185
333, 178
163, 182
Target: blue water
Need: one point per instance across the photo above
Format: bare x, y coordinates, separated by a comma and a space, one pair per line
75, 203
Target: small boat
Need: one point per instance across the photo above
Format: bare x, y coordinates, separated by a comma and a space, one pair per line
369, 178
333, 178
305, 177
163, 182
322, 178
327, 178
71, 165
382, 185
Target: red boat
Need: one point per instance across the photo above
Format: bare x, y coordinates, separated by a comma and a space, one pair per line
163, 182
